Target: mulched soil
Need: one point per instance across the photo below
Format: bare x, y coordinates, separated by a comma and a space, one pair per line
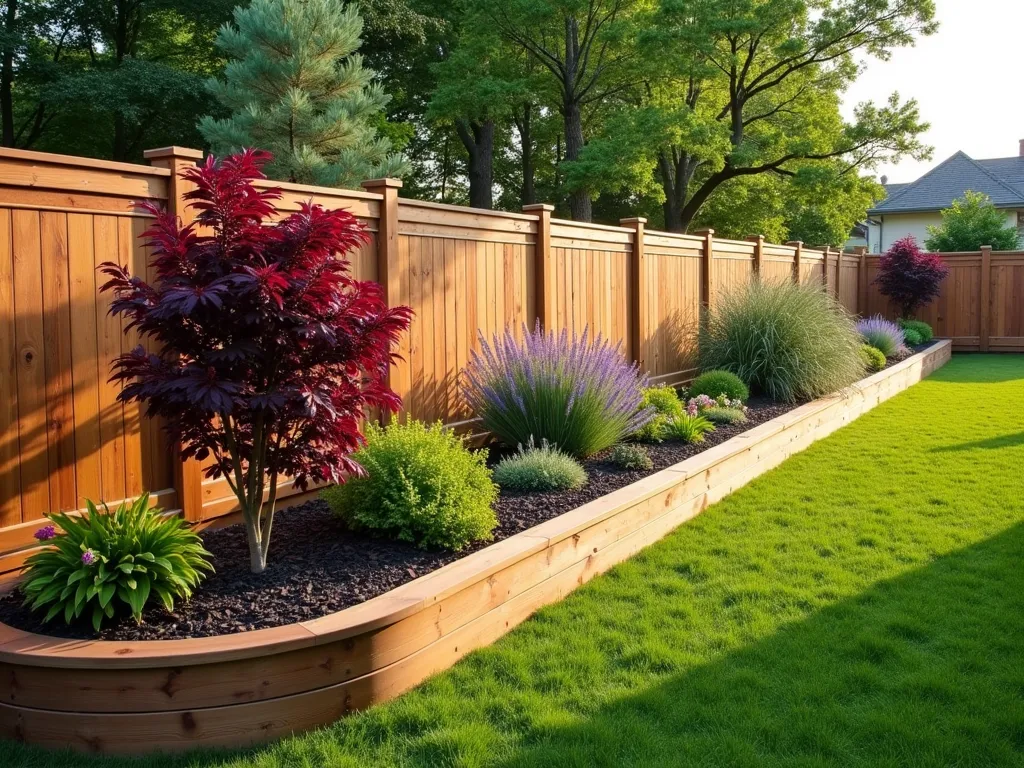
318, 567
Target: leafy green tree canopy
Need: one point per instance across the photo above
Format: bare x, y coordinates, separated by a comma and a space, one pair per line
296, 87
971, 222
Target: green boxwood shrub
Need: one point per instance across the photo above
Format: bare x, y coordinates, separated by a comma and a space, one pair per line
104, 561
689, 429
632, 457
421, 485
665, 402
787, 341
723, 415
912, 338
715, 383
920, 327
872, 357
543, 468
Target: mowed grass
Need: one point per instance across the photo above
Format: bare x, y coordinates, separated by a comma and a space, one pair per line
862, 604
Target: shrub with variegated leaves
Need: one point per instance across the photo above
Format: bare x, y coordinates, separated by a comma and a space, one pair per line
578, 393
107, 562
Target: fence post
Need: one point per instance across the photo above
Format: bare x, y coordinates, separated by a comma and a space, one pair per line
862, 279
758, 241
188, 475
389, 276
707, 268
797, 258
986, 300
638, 291
544, 266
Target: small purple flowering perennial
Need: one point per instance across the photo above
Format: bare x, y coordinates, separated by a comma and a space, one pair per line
46, 533
579, 394
88, 558
881, 334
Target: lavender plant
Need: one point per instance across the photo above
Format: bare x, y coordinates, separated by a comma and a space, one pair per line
578, 393
882, 334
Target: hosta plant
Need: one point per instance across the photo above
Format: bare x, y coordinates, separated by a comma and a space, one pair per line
107, 562
578, 393
884, 335
271, 351
539, 468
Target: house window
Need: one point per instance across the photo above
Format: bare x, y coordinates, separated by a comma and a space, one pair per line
1020, 229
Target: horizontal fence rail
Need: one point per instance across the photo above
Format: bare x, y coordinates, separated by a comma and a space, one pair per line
65, 438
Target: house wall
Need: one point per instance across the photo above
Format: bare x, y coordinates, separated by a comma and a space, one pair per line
895, 226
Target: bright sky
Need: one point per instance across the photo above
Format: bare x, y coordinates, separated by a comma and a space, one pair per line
965, 79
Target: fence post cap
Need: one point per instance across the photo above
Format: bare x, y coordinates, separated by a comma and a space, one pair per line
633, 220
754, 238
385, 183
173, 151
538, 207
794, 242
706, 231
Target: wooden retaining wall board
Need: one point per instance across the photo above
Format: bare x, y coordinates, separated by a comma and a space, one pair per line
242, 689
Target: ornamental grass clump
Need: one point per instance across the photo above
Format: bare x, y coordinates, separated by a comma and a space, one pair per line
578, 393
688, 428
105, 562
539, 468
421, 484
884, 335
787, 341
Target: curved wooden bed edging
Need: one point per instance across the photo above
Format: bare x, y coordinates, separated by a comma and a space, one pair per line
242, 689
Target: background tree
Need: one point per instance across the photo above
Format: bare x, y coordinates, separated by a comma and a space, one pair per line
273, 349
971, 222
909, 276
296, 87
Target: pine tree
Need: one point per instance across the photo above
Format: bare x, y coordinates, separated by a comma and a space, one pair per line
296, 87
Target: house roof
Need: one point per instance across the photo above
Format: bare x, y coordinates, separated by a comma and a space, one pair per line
1002, 179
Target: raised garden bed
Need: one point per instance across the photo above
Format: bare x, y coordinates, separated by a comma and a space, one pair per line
230, 690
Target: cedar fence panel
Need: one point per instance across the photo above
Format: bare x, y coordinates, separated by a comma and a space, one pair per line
65, 438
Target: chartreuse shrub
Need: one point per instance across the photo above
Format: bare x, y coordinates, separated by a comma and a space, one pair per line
787, 341
539, 468
578, 393
630, 456
715, 383
872, 357
102, 562
688, 428
884, 335
421, 484
918, 326
664, 403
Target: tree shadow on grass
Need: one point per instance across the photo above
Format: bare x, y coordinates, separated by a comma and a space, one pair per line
926, 669
991, 443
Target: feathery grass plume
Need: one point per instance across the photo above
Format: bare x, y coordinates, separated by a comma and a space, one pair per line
578, 393
882, 334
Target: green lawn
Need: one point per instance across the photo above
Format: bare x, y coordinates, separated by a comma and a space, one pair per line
862, 604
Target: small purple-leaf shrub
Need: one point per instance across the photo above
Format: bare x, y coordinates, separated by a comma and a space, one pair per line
882, 334
580, 394
909, 276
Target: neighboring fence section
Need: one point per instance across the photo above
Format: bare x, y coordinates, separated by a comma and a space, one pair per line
65, 438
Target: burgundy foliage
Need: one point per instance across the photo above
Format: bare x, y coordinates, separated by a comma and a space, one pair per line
910, 276
269, 350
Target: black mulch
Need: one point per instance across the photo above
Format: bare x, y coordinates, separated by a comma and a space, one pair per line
318, 567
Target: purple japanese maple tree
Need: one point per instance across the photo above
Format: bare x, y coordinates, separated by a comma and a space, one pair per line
270, 351
909, 276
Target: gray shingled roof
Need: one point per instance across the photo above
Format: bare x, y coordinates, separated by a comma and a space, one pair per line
1002, 179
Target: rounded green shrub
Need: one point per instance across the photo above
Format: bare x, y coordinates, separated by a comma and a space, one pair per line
724, 415
872, 357
689, 429
665, 402
911, 337
421, 485
715, 383
543, 468
922, 328
787, 341
631, 457
106, 561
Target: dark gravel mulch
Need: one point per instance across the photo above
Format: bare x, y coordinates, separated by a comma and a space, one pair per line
318, 567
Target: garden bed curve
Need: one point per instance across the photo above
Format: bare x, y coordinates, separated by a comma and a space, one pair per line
241, 689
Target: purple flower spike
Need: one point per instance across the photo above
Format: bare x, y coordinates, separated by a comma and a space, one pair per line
45, 533
88, 558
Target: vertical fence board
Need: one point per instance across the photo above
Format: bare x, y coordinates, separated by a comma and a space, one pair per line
10, 454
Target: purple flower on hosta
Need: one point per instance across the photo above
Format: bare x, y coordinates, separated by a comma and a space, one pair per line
578, 393
88, 558
46, 533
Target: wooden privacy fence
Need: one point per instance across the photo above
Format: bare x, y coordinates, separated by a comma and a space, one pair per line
64, 437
